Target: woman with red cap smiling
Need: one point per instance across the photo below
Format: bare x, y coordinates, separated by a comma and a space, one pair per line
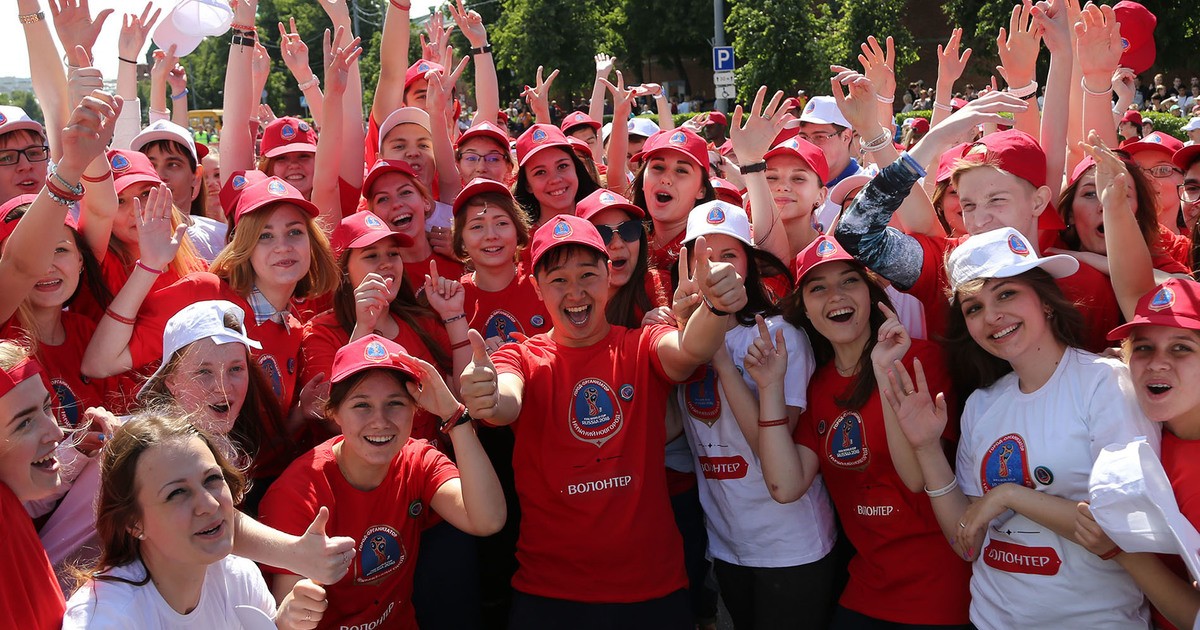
383, 484
635, 288
551, 178
482, 152
278, 252
673, 179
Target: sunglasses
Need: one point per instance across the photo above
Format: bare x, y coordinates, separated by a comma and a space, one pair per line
630, 231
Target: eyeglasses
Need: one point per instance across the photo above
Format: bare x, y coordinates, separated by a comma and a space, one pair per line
630, 231
1189, 193
1162, 171
490, 159
818, 138
10, 157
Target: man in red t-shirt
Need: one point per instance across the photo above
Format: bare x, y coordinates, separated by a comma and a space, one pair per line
597, 546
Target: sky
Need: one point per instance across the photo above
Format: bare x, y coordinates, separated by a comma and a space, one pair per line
16, 62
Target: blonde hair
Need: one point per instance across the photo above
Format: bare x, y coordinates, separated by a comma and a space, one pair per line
233, 263
187, 259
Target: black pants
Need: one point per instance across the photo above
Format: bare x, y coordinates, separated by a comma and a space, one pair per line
784, 597
846, 619
446, 580
531, 612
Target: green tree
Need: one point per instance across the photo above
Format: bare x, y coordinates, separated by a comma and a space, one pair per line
644, 32
559, 34
25, 100
777, 43
858, 19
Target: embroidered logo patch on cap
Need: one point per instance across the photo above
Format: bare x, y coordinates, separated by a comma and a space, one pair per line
716, 216
276, 188
607, 197
3, 119
423, 67
119, 162
287, 132
678, 138
826, 249
303, 126
578, 117
539, 135
373, 222
1165, 298
1017, 245
375, 352
239, 182
1124, 44
562, 229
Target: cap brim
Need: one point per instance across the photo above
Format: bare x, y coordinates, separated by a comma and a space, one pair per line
304, 204
1057, 265
646, 155
121, 183
291, 147
541, 147
633, 211
587, 123
404, 365
18, 125
218, 339
142, 139
1172, 321
1184, 157
372, 237
480, 188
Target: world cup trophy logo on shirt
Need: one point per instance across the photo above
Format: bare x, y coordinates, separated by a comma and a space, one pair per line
1005, 453
1006, 461
846, 442
595, 416
380, 552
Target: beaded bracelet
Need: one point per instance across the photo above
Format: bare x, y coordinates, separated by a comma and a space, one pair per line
31, 18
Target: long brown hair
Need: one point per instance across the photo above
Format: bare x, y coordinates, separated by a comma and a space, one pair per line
234, 267
505, 203
1147, 218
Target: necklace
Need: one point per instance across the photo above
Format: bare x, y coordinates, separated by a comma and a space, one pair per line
846, 372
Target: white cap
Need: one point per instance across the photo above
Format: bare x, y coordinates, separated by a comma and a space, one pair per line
823, 110
170, 34
605, 130
403, 115
219, 320
13, 118
718, 217
1132, 501
205, 17
1001, 253
642, 127
1192, 125
167, 130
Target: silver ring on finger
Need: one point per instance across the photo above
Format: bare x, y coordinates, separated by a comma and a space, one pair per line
962, 524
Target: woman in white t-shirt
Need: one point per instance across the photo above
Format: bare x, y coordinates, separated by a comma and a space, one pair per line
165, 519
1042, 412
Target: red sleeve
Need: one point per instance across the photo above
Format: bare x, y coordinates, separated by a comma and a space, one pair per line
321, 342
294, 499
29, 595
371, 145
937, 377
509, 360
437, 469
145, 346
349, 196
650, 336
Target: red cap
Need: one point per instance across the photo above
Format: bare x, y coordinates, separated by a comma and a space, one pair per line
603, 199
716, 117
727, 147
684, 141
373, 352
131, 167
1184, 157
539, 137
1133, 116
1137, 35
7, 226
362, 229
268, 192
485, 129
233, 187
1157, 141
287, 135
383, 167
1016, 152
418, 70
1081, 168
958, 103
727, 191
790, 103
948, 160
576, 119
479, 186
1174, 303
806, 151
825, 249
581, 148
920, 125
564, 229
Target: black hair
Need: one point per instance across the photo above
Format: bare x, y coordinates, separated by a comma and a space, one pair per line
556, 256
759, 264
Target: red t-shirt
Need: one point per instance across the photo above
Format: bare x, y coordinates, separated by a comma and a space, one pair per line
1089, 289
447, 268
596, 521
667, 257
386, 521
903, 571
515, 308
29, 594
323, 337
1181, 461
1177, 246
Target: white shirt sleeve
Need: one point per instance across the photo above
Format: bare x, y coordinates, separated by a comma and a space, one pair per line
965, 466
800, 362
128, 125
1114, 416
246, 585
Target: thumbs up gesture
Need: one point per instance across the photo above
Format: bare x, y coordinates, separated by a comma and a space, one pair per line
478, 384
324, 559
718, 282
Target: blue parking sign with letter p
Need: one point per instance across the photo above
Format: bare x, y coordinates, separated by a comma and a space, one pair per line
722, 58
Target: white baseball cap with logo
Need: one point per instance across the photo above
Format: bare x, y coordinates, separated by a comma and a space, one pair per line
718, 217
1002, 253
13, 118
643, 127
167, 130
823, 110
1192, 125
206, 17
222, 321
1132, 501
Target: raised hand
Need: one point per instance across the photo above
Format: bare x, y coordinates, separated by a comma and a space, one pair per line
90, 128
157, 240
1050, 16
1112, 179
303, 607
177, 78
75, 27
445, 295
604, 65
322, 558
766, 361
538, 96
1122, 82
623, 98
337, 72
479, 384
265, 114
922, 419
647, 89
1097, 45
470, 23
294, 51
312, 397
687, 292
880, 66
439, 38
260, 65
164, 62
81, 82
372, 298
960, 126
440, 91
719, 282
430, 392
858, 103
892, 342
134, 30
1018, 47
752, 140
950, 63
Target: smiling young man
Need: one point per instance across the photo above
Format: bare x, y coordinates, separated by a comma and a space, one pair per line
598, 547
23, 154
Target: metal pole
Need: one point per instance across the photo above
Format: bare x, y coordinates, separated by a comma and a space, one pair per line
722, 105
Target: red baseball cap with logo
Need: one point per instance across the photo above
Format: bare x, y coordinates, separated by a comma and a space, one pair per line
1081, 168
287, 135
485, 129
1184, 157
682, 141
381, 168
233, 187
362, 229
565, 229
727, 191
1137, 35
808, 152
13, 118
268, 192
603, 199
479, 186
1133, 116
1016, 152
8, 224
1157, 141
131, 167
920, 125
825, 249
947, 161
418, 70
577, 119
373, 352
1174, 303
537, 138
717, 118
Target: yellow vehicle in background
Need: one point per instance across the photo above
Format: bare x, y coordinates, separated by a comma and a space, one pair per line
205, 123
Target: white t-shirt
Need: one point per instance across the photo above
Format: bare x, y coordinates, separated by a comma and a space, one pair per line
745, 525
442, 216
1028, 576
208, 236
104, 604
